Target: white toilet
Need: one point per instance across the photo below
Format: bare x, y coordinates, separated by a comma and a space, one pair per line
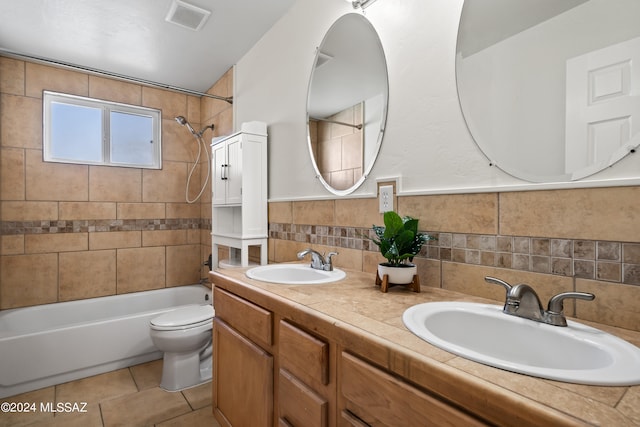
184, 335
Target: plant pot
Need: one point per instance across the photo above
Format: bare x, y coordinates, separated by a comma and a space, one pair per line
398, 275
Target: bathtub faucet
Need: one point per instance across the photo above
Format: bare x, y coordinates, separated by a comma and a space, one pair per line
318, 260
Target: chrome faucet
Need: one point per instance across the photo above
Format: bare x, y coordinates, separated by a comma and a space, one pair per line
523, 301
318, 260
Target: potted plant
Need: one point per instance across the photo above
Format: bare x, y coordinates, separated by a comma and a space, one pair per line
399, 241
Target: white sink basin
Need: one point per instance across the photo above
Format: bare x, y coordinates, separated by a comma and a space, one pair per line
576, 353
294, 274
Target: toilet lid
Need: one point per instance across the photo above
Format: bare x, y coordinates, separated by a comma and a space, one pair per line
184, 316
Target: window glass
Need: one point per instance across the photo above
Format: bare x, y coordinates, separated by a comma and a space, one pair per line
77, 134
132, 139
91, 131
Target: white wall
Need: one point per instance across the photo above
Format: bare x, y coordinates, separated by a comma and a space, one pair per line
426, 143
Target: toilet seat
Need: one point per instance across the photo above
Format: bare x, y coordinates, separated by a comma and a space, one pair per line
184, 318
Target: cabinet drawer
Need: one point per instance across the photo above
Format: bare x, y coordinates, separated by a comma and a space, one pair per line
306, 356
347, 419
378, 398
300, 406
247, 318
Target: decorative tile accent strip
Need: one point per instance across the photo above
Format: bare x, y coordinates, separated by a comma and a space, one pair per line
83, 226
607, 261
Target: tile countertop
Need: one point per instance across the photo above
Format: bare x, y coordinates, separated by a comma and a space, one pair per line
356, 306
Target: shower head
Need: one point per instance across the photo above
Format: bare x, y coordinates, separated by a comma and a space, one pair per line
184, 122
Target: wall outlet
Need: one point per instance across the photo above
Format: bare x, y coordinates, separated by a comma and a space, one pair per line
385, 198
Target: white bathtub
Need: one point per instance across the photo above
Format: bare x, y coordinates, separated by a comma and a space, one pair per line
54, 343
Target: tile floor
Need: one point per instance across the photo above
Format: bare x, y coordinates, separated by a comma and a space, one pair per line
128, 397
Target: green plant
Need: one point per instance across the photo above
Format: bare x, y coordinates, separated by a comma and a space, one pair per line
399, 240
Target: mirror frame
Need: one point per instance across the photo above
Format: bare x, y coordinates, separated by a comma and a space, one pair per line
367, 168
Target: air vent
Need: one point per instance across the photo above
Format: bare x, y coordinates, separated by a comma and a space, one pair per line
187, 15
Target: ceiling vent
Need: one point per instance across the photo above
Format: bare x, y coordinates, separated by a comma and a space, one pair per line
187, 15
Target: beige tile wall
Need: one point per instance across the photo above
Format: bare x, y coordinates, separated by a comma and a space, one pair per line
76, 231
563, 240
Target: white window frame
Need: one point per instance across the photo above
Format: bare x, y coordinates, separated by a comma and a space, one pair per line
107, 108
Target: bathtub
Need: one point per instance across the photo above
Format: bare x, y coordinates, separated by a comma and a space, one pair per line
50, 344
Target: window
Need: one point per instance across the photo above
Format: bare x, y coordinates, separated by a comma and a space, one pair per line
95, 132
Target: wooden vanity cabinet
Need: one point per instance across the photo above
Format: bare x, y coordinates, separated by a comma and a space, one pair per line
272, 371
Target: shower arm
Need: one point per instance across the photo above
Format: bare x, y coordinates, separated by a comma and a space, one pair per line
202, 131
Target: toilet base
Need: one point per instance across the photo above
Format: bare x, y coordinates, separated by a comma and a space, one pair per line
185, 370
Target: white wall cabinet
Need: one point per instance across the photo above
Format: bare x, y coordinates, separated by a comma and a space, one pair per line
239, 192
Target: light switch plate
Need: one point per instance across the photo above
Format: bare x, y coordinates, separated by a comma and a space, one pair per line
385, 198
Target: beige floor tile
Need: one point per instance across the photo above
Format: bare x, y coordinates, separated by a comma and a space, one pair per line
91, 418
202, 417
143, 408
19, 419
147, 375
199, 396
630, 404
97, 388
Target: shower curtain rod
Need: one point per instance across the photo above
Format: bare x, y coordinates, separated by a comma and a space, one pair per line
336, 122
17, 55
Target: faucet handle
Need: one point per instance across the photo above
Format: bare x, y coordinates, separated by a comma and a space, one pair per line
328, 261
556, 302
500, 282
555, 308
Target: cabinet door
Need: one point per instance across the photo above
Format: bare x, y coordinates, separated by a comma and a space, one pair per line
243, 380
234, 171
218, 177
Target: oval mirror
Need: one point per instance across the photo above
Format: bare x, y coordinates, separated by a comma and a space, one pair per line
550, 89
347, 104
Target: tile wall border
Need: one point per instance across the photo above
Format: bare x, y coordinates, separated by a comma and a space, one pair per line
617, 262
8, 228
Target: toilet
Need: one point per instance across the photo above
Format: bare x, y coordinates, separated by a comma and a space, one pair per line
184, 335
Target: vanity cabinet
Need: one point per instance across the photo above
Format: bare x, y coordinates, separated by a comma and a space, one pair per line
239, 192
337, 355
268, 371
276, 366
